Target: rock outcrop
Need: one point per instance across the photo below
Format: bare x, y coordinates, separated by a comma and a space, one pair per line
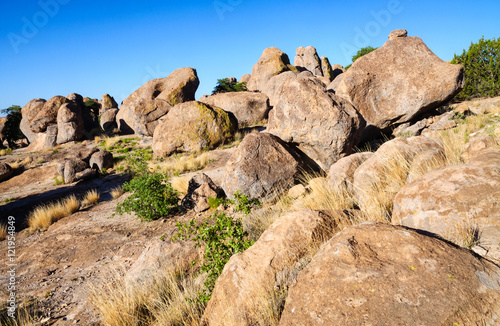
325, 126
139, 113
249, 276
341, 174
200, 189
248, 107
399, 81
107, 102
457, 202
70, 125
379, 274
101, 160
307, 58
108, 120
272, 62
263, 166
193, 126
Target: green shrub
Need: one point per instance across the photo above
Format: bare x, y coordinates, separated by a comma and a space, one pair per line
482, 69
223, 237
12, 132
152, 196
226, 85
361, 53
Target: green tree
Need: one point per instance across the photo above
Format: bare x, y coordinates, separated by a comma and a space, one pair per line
12, 132
482, 69
361, 53
227, 85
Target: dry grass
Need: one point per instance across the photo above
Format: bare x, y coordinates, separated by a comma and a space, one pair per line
91, 198
109, 141
178, 164
15, 165
3, 232
180, 184
167, 298
465, 232
26, 161
44, 216
116, 192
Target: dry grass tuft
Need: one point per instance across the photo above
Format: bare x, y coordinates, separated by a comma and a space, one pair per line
15, 165
44, 216
116, 192
465, 233
91, 198
180, 184
3, 232
168, 297
175, 164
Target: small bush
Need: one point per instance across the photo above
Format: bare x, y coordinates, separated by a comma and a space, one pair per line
482, 69
222, 235
44, 216
152, 197
12, 131
226, 85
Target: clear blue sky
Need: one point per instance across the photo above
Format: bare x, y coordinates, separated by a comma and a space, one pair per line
57, 47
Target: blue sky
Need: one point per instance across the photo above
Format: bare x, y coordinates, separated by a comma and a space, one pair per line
57, 47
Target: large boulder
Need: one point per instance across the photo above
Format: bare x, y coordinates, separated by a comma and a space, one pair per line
101, 160
307, 58
385, 172
191, 127
108, 120
379, 274
200, 189
139, 113
273, 85
325, 126
250, 275
457, 202
248, 107
272, 62
37, 116
70, 125
263, 166
341, 174
399, 81
107, 102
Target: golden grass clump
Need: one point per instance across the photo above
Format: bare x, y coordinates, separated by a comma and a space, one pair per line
44, 216
180, 184
116, 192
91, 198
175, 164
168, 297
3, 232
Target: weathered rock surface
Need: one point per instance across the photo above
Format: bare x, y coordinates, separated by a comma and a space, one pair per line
378, 274
101, 160
108, 120
326, 68
380, 172
307, 58
325, 126
71, 168
399, 81
262, 166
248, 107
140, 112
107, 102
5, 171
272, 62
341, 174
273, 85
192, 126
248, 275
69, 123
200, 189
245, 78
456, 200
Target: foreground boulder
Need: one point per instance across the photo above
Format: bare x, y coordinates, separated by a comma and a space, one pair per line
248, 107
325, 126
248, 278
379, 274
341, 174
272, 62
263, 166
101, 160
139, 113
191, 127
399, 81
457, 202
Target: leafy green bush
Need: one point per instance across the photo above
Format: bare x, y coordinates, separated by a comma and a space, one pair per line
223, 237
482, 69
152, 196
226, 85
12, 132
361, 53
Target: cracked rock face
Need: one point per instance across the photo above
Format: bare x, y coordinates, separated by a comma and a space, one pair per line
380, 274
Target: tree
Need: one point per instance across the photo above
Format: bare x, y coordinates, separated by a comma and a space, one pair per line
229, 85
482, 69
361, 53
11, 131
